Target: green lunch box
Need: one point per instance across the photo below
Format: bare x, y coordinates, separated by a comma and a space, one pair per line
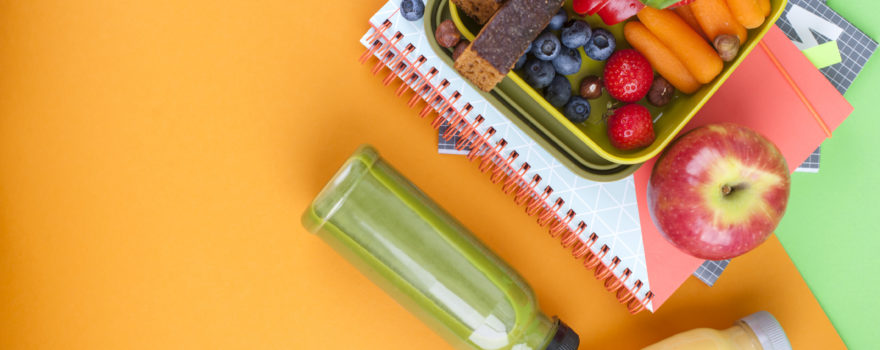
586, 144
592, 168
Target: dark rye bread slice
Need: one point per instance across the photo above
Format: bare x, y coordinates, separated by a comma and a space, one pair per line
480, 10
503, 40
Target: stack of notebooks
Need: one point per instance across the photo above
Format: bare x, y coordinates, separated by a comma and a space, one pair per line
606, 224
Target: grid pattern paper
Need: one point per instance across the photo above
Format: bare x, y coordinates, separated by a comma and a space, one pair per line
811, 22
710, 271
609, 209
445, 146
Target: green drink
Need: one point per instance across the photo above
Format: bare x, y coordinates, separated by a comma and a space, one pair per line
426, 260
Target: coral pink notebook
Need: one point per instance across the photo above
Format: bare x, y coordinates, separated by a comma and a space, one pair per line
759, 96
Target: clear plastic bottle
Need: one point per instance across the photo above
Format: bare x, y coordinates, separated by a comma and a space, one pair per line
758, 331
426, 260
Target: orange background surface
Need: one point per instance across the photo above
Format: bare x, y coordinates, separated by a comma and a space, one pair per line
155, 158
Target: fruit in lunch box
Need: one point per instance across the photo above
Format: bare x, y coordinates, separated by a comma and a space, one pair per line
412, 10
616, 11
718, 191
558, 20
591, 87
630, 127
567, 62
558, 92
602, 44
546, 46
584, 7
447, 34
662, 4
661, 92
577, 110
538, 73
576, 33
521, 61
628, 75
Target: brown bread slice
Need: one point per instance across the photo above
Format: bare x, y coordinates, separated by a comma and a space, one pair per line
480, 10
503, 40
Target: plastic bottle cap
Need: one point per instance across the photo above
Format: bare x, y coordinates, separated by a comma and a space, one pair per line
769, 332
564, 339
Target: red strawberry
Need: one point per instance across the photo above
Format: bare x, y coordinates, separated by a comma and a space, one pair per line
628, 75
630, 127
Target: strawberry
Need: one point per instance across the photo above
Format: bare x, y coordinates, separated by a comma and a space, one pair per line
630, 127
628, 75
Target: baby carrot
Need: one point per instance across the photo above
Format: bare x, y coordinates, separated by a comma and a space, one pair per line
662, 59
746, 12
715, 18
688, 16
695, 53
765, 7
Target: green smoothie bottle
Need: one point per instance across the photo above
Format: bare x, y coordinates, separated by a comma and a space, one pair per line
427, 261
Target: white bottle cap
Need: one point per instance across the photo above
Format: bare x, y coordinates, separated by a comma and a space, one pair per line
769, 331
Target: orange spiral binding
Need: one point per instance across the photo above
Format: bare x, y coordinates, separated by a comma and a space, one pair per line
514, 181
447, 109
560, 226
583, 247
435, 98
526, 192
457, 122
398, 65
549, 214
538, 203
410, 76
502, 169
489, 159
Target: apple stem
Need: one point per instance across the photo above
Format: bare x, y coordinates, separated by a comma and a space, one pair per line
726, 189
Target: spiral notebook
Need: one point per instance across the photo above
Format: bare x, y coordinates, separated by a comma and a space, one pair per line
605, 224
597, 221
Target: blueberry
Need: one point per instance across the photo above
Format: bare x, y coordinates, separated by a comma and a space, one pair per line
568, 62
412, 9
577, 109
601, 46
520, 62
558, 92
546, 46
558, 20
576, 33
538, 73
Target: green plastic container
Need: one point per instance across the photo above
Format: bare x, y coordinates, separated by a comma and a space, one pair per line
399, 238
588, 141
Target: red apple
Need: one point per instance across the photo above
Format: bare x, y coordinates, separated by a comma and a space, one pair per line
719, 191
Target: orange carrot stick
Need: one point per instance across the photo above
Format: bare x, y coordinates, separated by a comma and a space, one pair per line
688, 16
716, 19
662, 59
695, 53
765, 7
746, 12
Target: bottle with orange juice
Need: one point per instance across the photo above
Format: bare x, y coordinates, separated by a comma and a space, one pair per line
758, 331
